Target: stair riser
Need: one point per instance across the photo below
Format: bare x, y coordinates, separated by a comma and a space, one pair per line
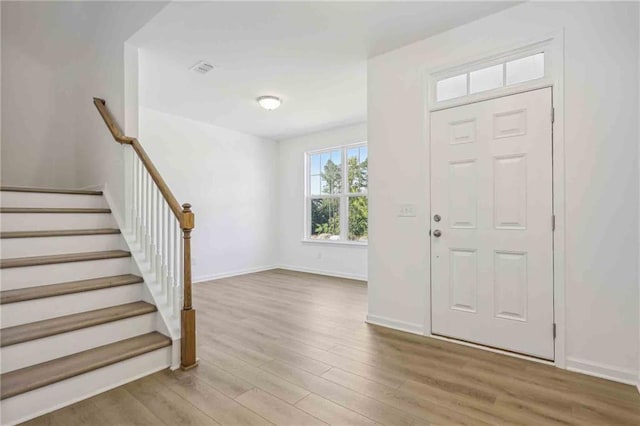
26, 247
37, 351
29, 276
26, 199
49, 398
55, 221
51, 307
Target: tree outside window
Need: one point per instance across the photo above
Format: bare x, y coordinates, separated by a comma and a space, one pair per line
338, 208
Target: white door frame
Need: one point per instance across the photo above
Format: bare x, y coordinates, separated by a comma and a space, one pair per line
553, 46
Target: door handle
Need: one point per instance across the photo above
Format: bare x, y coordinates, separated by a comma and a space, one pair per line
437, 233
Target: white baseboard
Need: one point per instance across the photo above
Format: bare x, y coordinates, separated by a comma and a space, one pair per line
604, 371
414, 328
203, 278
323, 272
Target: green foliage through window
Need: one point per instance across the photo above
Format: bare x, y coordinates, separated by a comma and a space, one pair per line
331, 198
325, 217
358, 218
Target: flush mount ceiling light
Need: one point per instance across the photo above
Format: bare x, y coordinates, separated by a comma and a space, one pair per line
269, 102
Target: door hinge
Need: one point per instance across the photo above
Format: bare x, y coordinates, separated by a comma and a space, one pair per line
553, 115
554, 330
553, 222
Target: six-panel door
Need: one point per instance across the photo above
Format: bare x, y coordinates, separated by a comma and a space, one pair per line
491, 185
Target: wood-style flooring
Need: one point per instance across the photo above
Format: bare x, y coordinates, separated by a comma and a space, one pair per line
288, 348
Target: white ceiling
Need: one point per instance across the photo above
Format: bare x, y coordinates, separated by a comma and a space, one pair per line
310, 54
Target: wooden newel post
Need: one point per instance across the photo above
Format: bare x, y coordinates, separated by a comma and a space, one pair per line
188, 337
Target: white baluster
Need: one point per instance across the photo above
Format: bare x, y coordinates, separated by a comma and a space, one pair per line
170, 262
158, 214
163, 245
131, 216
165, 239
176, 265
145, 211
152, 227
143, 216
139, 212
134, 180
136, 200
147, 181
180, 286
148, 219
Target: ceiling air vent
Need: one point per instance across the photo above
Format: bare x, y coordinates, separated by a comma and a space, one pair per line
202, 67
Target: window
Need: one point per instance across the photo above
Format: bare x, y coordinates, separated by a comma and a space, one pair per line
491, 77
452, 87
486, 79
336, 195
525, 69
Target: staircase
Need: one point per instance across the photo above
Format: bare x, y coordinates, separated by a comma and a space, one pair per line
77, 318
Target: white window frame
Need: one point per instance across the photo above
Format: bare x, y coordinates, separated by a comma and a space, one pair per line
343, 197
436, 75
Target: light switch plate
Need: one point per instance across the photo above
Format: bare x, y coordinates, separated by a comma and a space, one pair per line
407, 210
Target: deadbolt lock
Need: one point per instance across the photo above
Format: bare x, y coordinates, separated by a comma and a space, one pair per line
436, 218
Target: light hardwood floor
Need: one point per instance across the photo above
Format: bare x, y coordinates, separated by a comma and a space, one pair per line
288, 348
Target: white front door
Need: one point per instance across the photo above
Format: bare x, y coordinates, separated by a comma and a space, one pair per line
492, 237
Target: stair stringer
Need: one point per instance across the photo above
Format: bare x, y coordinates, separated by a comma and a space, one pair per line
167, 323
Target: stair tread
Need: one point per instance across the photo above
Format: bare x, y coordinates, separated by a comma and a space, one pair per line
58, 233
27, 379
50, 190
53, 210
50, 327
50, 290
62, 258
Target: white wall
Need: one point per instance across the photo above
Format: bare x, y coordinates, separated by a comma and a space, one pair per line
55, 57
333, 259
0, 87
230, 179
601, 150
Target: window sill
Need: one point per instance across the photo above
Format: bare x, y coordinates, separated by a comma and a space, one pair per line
336, 243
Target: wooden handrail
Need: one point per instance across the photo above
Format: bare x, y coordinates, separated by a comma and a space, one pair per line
148, 164
110, 122
185, 218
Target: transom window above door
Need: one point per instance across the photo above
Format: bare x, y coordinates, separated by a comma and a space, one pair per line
482, 78
336, 194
